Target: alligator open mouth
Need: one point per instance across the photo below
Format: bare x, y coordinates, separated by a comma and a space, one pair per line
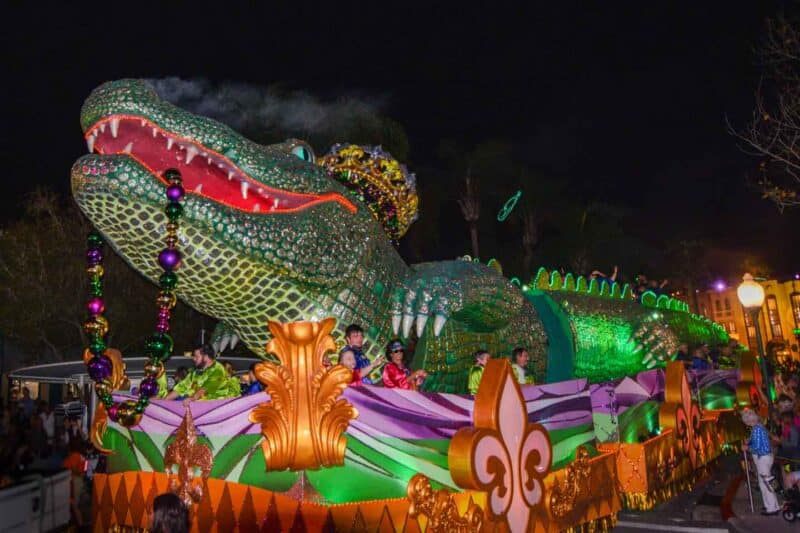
205, 172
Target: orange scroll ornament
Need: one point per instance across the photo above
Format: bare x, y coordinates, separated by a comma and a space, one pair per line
749, 390
679, 411
118, 380
502, 454
303, 423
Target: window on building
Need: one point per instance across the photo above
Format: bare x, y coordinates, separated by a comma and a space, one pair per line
774, 317
751, 329
704, 310
731, 327
727, 304
795, 298
717, 306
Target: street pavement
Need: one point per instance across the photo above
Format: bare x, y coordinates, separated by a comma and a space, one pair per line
719, 503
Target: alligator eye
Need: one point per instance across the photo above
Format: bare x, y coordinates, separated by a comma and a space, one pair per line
304, 153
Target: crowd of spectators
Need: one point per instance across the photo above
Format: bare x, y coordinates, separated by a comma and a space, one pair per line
705, 356
34, 440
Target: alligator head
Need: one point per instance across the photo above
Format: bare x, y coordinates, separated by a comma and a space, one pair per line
265, 232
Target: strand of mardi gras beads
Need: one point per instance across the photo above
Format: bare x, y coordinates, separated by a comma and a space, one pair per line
159, 345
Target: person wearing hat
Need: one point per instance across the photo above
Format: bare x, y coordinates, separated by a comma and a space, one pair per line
395, 374
208, 380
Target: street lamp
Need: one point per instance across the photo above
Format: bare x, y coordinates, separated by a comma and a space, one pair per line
751, 295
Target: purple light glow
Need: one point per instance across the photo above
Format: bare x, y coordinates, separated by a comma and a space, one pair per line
719, 286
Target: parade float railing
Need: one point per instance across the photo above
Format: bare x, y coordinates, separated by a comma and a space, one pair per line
318, 455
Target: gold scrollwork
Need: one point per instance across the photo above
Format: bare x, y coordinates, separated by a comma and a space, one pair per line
118, 380
304, 422
440, 508
187, 462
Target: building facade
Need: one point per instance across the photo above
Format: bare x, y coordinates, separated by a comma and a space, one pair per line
779, 319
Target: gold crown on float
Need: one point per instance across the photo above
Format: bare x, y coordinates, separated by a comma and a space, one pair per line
379, 180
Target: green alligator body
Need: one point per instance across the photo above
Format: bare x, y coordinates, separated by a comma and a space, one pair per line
267, 234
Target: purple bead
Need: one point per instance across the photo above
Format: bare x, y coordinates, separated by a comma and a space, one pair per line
162, 327
112, 412
94, 257
99, 368
96, 306
169, 259
148, 387
174, 193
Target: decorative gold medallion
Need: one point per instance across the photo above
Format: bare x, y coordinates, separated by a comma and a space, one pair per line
679, 411
303, 423
440, 508
187, 462
502, 454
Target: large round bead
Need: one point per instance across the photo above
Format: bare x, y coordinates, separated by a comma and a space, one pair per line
99, 368
159, 346
95, 306
169, 259
148, 387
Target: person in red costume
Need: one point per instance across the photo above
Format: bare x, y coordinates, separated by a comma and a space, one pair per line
395, 373
347, 358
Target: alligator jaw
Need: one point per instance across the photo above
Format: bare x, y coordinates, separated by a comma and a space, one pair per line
206, 173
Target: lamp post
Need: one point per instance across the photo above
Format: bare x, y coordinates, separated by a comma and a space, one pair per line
751, 296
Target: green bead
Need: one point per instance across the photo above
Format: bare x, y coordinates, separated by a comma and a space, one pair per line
173, 175
158, 346
94, 240
97, 346
141, 405
174, 211
168, 281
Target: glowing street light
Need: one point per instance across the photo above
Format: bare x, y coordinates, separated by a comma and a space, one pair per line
751, 295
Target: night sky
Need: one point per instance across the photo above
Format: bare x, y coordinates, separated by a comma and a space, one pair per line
629, 102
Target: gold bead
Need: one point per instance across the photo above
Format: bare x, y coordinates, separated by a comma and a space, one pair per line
171, 240
154, 370
102, 388
172, 227
127, 415
166, 299
96, 270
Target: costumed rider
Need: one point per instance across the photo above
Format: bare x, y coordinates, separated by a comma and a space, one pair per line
759, 447
520, 360
208, 380
354, 336
481, 357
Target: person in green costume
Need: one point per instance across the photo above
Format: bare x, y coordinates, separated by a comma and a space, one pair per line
207, 380
476, 372
519, 365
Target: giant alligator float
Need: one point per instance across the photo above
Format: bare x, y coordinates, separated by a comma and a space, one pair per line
270, 234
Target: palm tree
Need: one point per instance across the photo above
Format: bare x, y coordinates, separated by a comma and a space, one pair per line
470, 205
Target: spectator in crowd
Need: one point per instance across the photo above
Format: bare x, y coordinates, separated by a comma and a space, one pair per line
354, 336
73, 430
481, 357
395, 373
207, 380
26, 405
253, 385
48, 421
759, 447
348, 360
170, 515
37, 438
789, 442
76, 464
520, 359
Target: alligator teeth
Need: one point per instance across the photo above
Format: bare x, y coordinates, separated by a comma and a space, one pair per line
191, 151
199, 188
90, 143
209, 161
155, 132
438, 324
144, 123
396, 319
170, 141
245, 185
114, 127
275, 203
407, 321
103, 127
420, 323
128, 148
220, 165
256, 208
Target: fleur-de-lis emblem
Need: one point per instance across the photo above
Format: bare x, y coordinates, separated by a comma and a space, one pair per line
502, 454
679, 412
187, 462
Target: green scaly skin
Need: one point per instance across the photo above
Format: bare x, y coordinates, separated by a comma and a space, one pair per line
325, 260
